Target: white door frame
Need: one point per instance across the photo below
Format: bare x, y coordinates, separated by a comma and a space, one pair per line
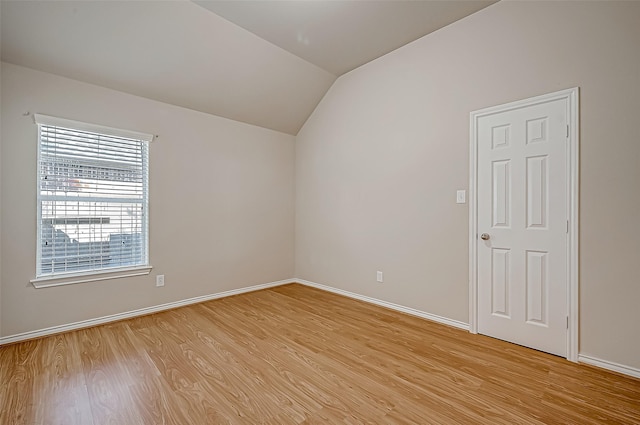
571, 96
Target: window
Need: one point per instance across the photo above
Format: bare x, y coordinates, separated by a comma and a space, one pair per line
92, 199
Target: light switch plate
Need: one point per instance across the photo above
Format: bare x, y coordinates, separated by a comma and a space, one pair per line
461, 196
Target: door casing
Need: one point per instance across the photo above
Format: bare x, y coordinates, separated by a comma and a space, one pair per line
572, 101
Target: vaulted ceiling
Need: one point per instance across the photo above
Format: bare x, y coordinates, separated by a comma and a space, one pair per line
266, 63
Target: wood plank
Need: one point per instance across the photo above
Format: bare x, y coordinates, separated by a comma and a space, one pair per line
107, 379
298, 355
24, 362
60, 388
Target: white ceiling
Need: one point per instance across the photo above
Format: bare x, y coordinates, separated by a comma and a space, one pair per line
339, 36
272, 73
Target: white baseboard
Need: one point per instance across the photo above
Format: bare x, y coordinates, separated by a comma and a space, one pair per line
582, 358
134, 313
605, 364
392, 306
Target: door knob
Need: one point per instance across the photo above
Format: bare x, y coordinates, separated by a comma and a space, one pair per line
485, 236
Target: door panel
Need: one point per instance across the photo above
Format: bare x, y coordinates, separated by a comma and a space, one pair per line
537, 192
501, 187
500, 273
522, 206
537, 281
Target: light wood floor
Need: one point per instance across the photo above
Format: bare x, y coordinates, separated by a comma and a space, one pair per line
296, 355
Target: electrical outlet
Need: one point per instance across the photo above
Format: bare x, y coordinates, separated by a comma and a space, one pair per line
379, 277
160, 280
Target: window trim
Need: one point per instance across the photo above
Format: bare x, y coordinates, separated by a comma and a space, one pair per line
75, 277
89, 276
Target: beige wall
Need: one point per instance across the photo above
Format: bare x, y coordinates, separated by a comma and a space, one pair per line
379, 161
221, 202
377, 167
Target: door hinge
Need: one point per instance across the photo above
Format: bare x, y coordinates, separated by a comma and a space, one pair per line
567, 131
567, 226
567, 322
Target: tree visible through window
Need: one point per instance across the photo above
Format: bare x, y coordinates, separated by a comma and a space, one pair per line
92, 198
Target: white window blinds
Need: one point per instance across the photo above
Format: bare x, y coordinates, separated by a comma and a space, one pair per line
92, 198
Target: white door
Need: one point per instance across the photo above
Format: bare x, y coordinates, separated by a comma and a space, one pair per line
522, 224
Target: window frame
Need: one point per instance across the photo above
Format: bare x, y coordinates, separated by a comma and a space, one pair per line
92, 275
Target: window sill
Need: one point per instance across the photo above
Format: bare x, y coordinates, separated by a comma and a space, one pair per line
73, 278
